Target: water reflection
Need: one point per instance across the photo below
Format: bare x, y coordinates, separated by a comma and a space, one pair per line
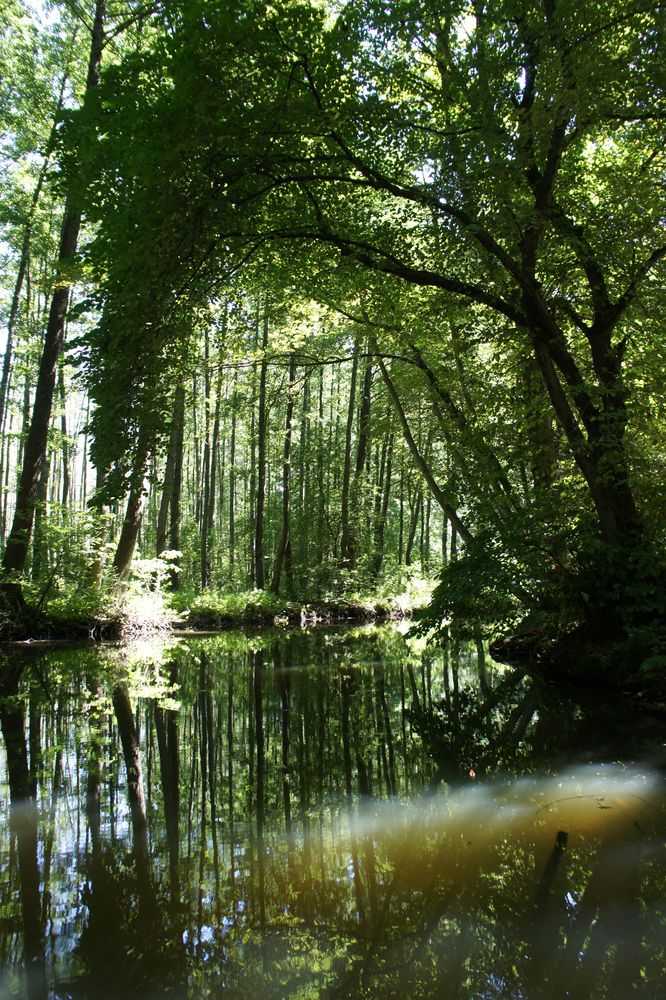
334, 814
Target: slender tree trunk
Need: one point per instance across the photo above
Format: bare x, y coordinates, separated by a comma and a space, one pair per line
232, 487
169, 476
419, 461
286, 469
35, 450
66, 477
132, 521
401, 521
174, 526
25, 253
415, 510
253, 453
205, 491
195, 481
83, 485
306, 449
209, 505
381, 514
445, 540
5, 444
25, 426
261, 463
321, 499
96, 568
362, 455
346, 549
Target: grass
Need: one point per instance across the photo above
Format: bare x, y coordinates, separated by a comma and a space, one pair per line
212, 609
146, 608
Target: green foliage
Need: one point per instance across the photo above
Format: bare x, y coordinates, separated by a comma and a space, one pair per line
620, 587
82, 605
462, 204
476, 594
213, 609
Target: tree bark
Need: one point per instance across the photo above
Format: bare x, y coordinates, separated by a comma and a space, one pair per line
362, 454
129, 533
39, 553
419, 461
286, 469
205, 492
35, 450
25, 254
209, 505
260, 578
382, 503
169, 476
232, 487
346, 550
174, 524
66, 476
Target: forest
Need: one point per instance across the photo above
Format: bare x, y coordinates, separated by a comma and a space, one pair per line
332, 499
313, 305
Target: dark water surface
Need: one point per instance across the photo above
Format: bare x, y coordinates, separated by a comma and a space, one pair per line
324, 814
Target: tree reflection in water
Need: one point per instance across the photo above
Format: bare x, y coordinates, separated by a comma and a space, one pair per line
326, 814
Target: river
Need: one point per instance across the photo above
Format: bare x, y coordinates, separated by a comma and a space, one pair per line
323, 813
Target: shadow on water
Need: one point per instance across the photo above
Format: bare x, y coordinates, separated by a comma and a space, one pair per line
323, 815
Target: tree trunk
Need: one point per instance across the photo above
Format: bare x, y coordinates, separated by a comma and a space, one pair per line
169, 477
35, 450
420, 462
601, 455
286, 469
205, 492
25, 255
261, 464
66, 477
39, 553
362, 453
209, 505
232, 487
129, 533
381, 510
174, 526
321, 498
415, 509
346, 549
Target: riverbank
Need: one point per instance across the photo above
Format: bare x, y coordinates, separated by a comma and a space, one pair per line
633, 666
98, 619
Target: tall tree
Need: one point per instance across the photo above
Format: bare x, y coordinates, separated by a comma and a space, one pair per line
16, 550
285, 540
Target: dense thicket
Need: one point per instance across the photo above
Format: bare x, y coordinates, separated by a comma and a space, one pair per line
366, 282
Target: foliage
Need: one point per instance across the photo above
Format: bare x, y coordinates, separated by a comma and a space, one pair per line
475, 595
394, 272
214, 608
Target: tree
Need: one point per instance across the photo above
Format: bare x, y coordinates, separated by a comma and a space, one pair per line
487, 160
35, 449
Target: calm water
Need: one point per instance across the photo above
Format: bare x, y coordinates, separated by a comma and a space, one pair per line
332, 814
